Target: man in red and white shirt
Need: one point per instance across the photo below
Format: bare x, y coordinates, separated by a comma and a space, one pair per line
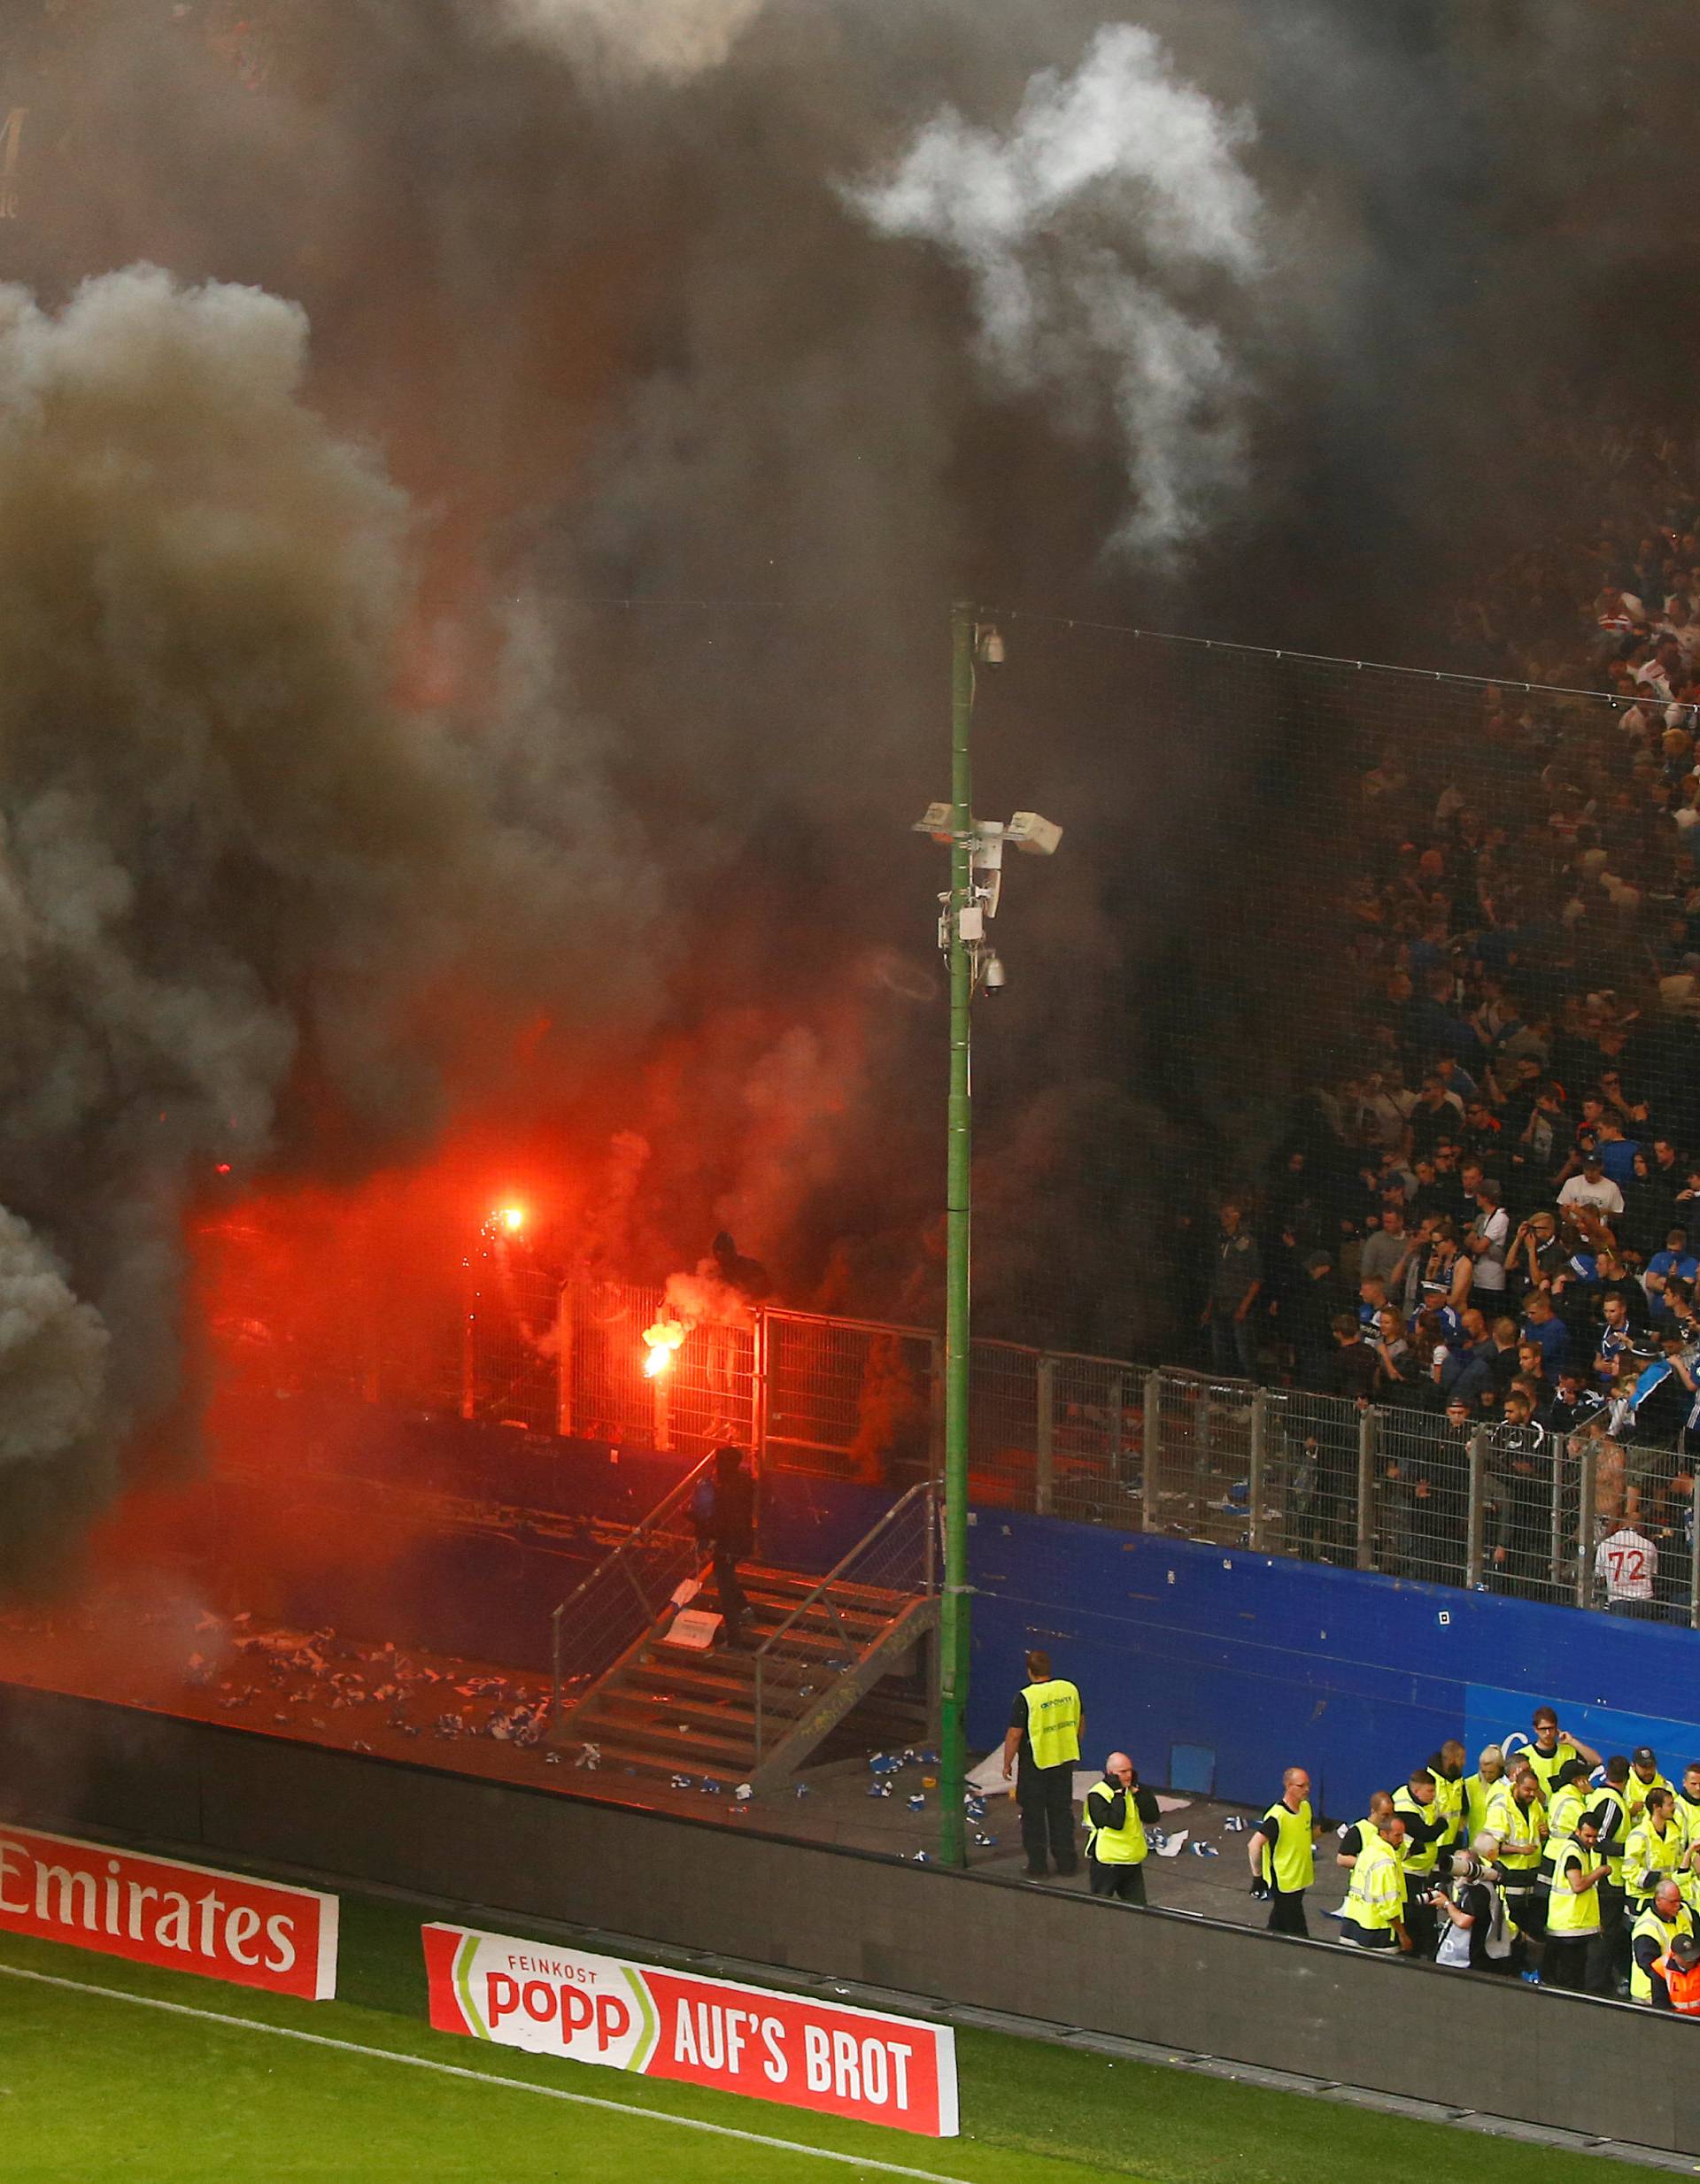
1627, 1564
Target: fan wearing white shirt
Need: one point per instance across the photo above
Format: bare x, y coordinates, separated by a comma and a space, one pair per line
1593, 1188
1625, 1565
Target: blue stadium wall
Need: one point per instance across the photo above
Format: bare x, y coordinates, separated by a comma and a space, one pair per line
1216, 1668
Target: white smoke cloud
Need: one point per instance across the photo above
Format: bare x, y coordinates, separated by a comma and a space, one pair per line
672, 39
1114, 187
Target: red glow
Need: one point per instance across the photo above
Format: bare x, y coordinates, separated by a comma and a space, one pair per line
512, 1219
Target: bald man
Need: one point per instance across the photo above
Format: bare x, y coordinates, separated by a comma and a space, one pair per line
1118, 1812
1282, 1853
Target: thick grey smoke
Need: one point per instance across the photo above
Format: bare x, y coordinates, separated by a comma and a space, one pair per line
1108, 182
230, 868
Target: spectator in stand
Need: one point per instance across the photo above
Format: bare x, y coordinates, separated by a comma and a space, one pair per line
1235, 1282
1355, 1368
1616, 1152
1593, 1188
1307, 1320
1542, 1326
1388, 1246
1625, 1566
1486, 1243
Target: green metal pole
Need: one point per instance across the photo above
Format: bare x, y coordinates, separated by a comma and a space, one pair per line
954, 1608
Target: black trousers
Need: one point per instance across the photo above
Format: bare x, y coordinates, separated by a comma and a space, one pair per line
1286, 1912
1608, 1961
729, 1593
1564, 1962
1046, 1796
1125, 1882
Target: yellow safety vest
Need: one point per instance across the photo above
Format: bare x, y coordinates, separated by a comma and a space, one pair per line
1419, 1858
1478, 1795
1518, 1827
1612, 1851
1545, 1765
1054, 1723
1449, 1802
1293, 1866
1637, 1792
1688, 1818
1568, 1911
1375, 1898
1647, 1856
1564, 1807
1665, 1932
1115, 1846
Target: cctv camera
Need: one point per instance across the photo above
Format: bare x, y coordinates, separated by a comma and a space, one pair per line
992, 976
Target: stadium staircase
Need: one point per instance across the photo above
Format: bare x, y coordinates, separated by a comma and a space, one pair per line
626, 1700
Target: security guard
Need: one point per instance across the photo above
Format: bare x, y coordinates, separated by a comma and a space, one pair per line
1644, 1778
1609, 1809
1044, 1735
1517, 1817
1446, 1767
1678, 1971
1551, 1748
1283, 1855
1657, 1926
1573, 1870
1653, 1851
1480, 1787
1416, 1805
1687, 1804
1568, 1800
1373, 1914
1117, 1814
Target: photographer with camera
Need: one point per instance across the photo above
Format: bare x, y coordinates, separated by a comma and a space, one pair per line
1471, 1910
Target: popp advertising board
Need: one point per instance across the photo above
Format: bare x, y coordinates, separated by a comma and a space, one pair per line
159, 1912
788, 2048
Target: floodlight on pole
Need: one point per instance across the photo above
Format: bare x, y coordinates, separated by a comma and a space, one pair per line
966, 908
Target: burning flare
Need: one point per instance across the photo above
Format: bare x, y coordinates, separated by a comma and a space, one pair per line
663, 1339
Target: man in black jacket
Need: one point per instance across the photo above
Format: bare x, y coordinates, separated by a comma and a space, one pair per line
1118, 1812
727, 1527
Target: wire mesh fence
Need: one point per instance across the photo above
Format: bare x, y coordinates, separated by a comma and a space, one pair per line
1521, 1509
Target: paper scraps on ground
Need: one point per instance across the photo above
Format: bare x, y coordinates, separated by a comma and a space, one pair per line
1174, 1845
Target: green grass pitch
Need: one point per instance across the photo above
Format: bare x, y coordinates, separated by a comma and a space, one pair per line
94, 2086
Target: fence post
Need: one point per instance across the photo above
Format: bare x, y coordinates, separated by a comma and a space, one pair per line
759, 1339
1556, 1526
1694, 1557
1475, 1549
1366, 1487
1152, 1439
1044, 1430
1113, 1449
1587, 1480
564, 1334
1255, 1469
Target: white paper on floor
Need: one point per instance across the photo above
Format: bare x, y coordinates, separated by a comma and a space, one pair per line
987, 1778
1175, 1845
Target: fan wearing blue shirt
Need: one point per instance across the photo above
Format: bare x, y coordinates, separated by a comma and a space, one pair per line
1541, 1324
1616, 1151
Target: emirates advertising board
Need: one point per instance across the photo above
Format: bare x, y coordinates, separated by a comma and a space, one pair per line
671, 2025
159, 1912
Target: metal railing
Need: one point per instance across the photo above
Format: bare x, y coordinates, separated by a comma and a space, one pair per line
622, 1597
1101, 1440
898, 1554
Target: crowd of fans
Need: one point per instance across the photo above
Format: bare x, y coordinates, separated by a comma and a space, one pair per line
1493, 1214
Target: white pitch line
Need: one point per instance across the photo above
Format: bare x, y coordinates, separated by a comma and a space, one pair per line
482, 2078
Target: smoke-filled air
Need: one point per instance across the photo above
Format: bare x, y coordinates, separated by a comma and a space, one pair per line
482, 488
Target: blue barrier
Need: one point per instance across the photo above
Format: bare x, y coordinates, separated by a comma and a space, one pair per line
1266, 1663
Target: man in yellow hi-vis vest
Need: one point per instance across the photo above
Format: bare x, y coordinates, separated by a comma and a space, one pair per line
1041, 1748
1283, 1863
1118, 1812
